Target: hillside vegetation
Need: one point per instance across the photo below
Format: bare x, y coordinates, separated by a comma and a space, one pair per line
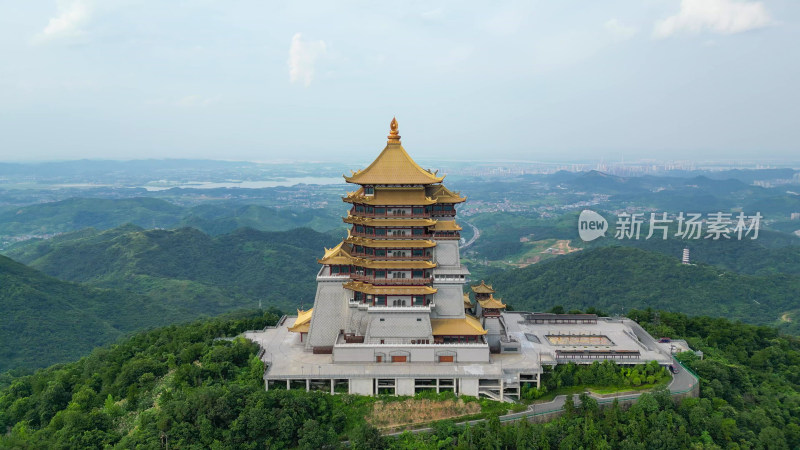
44, 320
183, 387
186, 269
618, 279
103, 213
133, 279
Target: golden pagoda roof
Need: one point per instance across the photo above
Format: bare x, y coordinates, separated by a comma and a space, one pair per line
387, 243
468, 326
388, 290
443, 195
390, 196
492, 303
467, 301
389, 222
337, 255
446, 225
483, 288
303, 321
393, 166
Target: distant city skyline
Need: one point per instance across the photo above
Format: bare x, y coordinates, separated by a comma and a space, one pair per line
695, 80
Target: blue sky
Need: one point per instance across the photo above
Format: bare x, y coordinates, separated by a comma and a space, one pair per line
536, 80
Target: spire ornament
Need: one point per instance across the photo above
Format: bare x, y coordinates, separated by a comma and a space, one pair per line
394, 137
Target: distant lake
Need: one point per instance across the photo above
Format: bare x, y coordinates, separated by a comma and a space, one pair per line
245, 184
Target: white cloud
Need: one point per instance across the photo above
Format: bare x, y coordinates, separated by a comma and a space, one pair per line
716, 16
72, 15
619, 29
303, 56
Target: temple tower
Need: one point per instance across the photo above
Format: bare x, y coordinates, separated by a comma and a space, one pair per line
397, 278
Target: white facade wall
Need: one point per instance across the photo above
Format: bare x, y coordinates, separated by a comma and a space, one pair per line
405, 386
361, 386
355, 353
468, 386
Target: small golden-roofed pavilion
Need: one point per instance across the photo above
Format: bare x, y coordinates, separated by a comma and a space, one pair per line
492, 303
468, 326
483, 288
393, 166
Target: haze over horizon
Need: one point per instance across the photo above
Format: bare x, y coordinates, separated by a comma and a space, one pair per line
660, 79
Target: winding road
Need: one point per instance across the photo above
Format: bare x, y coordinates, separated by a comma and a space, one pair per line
476, 233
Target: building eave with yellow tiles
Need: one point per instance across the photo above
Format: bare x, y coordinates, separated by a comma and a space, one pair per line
303, 321
483, 288
389, 243
468, 326
492, 303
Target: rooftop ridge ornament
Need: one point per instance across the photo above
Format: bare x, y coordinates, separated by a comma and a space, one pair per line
394, 137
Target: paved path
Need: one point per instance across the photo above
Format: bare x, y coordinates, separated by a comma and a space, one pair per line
476, 233
681, 383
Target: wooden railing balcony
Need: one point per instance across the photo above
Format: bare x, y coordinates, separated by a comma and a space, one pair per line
388, 215
392, 281
393, 258
389, 236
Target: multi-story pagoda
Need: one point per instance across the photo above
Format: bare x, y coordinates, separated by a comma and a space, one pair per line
396, 279
390, 315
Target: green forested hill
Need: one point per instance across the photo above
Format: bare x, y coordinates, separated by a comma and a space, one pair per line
103, 213
133, 278
617, 279
186, 268
45, 320
76, 213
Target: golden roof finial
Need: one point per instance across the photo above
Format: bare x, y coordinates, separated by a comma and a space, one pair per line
394, 137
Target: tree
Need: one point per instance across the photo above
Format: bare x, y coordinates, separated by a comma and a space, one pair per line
366, 437
569, 406
315, 436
